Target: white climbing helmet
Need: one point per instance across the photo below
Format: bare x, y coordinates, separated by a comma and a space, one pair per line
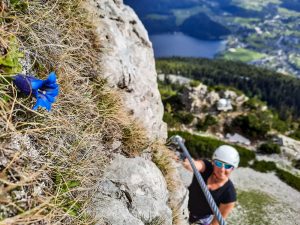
227, 154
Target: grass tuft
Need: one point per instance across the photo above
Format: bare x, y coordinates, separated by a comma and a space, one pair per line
50, 162
164, 160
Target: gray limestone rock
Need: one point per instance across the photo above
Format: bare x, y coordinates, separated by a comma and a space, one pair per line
133, 191
289, 147
180, 197
128, 62
194, 98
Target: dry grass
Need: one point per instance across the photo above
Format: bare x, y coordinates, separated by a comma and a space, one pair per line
118, 123
164, 159
51, 161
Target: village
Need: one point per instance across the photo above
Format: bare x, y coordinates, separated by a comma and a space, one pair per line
275, 38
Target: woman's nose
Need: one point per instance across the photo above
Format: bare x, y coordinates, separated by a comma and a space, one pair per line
222, 169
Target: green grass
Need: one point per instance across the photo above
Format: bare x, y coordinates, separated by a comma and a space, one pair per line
219, 88
251, 208
255, 208
9, 62
263, 166
166, 92
248, 22
243, 55
288, 178
272, 35
287, 12
256, 5
287, 32
157, 17
296, 33
259, 43
295, 60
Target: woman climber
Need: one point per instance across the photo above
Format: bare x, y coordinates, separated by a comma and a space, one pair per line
216, 176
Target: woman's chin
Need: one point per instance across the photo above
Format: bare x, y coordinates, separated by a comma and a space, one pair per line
220, 176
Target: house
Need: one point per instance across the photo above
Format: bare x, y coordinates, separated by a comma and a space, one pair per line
224, 105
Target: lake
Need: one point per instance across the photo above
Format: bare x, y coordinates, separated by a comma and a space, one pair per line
179, 44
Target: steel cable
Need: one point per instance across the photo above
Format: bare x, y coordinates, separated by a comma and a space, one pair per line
208, 196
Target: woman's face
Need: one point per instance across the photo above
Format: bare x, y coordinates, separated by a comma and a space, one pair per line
221, 173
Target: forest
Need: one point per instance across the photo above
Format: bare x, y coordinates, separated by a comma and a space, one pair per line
199, 26
281, 92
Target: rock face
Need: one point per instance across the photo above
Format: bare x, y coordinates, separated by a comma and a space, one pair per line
289, 147
200, 99
128, 62
180, 197
132, 192
194, 98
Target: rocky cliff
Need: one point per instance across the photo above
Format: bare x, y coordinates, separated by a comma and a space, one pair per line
104, 130
128, 62
134, 191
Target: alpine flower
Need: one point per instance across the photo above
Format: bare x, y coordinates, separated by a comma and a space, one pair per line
45, 91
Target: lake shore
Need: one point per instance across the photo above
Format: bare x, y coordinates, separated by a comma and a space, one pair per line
179, 44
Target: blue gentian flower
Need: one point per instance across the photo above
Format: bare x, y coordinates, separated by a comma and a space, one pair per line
45, 91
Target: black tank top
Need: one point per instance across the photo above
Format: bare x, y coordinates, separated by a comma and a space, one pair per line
197, 202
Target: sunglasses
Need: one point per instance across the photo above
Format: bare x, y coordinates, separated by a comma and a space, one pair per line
220, 164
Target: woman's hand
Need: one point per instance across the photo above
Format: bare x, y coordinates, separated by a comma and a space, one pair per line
200, 165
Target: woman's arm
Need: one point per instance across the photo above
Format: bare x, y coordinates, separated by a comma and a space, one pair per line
200, 165
225, 209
